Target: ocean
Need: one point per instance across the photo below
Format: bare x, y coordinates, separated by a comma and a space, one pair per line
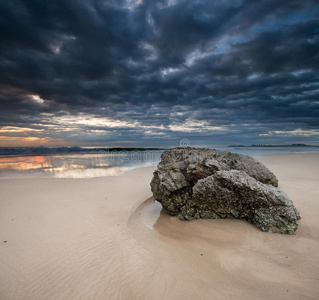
89, 163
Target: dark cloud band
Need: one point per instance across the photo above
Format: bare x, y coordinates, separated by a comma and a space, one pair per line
151, 72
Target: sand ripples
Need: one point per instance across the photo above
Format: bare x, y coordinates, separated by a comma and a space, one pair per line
98, 239
224, 257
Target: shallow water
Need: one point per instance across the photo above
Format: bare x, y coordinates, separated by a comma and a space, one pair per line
75, 165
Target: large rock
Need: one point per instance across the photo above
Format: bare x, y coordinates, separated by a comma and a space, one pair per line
201, 183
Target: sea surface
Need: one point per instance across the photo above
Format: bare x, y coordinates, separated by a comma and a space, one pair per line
38, 163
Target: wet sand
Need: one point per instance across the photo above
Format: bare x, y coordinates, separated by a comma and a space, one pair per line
105, 238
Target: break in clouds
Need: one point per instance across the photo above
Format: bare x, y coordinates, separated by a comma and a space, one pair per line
151, 72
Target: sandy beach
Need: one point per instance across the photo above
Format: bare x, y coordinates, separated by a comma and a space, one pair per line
106, 238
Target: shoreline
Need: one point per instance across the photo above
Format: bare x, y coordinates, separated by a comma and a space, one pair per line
38, 168
105, 238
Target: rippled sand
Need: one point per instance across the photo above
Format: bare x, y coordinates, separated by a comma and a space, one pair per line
106, 238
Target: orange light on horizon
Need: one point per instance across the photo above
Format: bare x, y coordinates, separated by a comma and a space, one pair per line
29, 141
32, 138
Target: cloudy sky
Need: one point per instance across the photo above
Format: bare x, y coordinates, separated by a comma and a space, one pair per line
153, 72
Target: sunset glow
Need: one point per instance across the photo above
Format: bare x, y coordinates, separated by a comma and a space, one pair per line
149, 73
30, 141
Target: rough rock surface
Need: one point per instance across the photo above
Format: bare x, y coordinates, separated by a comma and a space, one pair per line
201, 183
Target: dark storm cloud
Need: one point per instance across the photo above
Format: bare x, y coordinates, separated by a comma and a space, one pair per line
160, 70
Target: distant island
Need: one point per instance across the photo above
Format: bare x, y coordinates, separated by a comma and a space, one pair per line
265, 145
68, 150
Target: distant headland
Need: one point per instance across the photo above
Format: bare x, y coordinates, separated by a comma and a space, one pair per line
265, 145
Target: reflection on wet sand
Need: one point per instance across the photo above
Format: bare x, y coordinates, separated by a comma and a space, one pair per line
67, 166
23, 162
